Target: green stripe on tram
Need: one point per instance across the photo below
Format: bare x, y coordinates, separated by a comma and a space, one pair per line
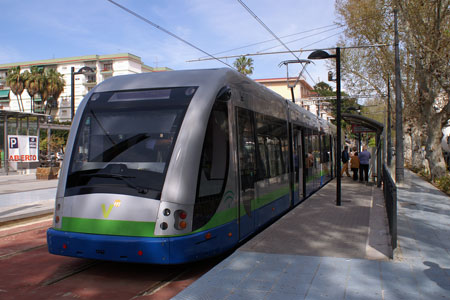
146, 229
108, 227
229, 215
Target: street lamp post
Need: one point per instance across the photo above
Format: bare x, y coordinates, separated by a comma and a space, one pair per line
83, 70
320, 54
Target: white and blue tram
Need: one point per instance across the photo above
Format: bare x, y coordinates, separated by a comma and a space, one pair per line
173, 167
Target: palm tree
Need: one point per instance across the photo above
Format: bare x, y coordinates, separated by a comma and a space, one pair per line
43, 91
55, 85
244, 65
15, 81
32, 83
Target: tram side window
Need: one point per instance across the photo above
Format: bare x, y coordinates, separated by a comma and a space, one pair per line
316, 148
213, 166
309, 157
275, 156
272, 147
84, 143
325, 148
263, 158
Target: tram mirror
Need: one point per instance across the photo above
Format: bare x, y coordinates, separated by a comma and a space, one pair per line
224, 94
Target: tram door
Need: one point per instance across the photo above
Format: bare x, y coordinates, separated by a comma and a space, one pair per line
247, 171
298, 165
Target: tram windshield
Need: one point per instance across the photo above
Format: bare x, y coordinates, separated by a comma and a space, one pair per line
125, 140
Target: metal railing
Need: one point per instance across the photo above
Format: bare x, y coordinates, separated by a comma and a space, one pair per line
390, 198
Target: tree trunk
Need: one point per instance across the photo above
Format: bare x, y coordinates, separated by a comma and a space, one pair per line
21, 103
408, 146
418, 161
434, 153
18, 103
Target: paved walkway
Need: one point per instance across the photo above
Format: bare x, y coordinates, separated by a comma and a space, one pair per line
320, 251
22, 196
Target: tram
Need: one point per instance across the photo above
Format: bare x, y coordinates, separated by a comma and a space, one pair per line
174, 167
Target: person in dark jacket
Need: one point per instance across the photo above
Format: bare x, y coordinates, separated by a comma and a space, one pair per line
345, 158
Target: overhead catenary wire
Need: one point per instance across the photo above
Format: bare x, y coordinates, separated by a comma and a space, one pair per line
299, 50
285, 36
336, 25
267, 28
312, 79
296, 40
325, 38
166, 31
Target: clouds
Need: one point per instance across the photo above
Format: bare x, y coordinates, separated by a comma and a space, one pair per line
61, 28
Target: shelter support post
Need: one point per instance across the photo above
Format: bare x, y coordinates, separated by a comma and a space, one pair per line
379, 160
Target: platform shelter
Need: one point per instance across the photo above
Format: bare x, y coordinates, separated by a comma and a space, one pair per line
361, 124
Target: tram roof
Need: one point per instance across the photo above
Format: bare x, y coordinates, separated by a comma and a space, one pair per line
164, 79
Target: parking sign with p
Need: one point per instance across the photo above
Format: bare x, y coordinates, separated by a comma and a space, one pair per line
13, 143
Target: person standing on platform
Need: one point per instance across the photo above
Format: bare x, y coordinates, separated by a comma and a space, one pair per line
354, 163
345, 159
364, 159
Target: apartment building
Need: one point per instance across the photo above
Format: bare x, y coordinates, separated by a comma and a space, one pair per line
100, 67
303, 94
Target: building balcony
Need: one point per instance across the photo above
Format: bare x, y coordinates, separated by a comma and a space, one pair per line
89, 83
106, 68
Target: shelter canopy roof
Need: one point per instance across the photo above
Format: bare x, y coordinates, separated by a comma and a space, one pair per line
364, 121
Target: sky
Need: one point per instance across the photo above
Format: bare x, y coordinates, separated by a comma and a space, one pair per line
46, 29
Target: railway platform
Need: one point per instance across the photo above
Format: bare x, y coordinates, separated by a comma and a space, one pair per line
23, 196
321, 251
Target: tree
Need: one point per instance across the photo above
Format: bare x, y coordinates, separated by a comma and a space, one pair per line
15, 81
428, 38
244, 65
347, 104
32, 83
58, 140
49, 84
55, 85
425, 48
324, 89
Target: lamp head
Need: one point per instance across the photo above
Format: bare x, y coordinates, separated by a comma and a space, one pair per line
320, 54
85, 70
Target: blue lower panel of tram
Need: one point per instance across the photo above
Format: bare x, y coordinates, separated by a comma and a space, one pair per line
170, 250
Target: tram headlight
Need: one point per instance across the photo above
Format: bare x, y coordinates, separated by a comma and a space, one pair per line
163, 225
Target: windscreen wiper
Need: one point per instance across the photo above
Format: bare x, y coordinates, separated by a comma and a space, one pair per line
124, 178
102, 128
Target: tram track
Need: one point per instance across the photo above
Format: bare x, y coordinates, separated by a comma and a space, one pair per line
49, 276
154, 288
10, 226
5, 256
29, 235
71, 273
23, 231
